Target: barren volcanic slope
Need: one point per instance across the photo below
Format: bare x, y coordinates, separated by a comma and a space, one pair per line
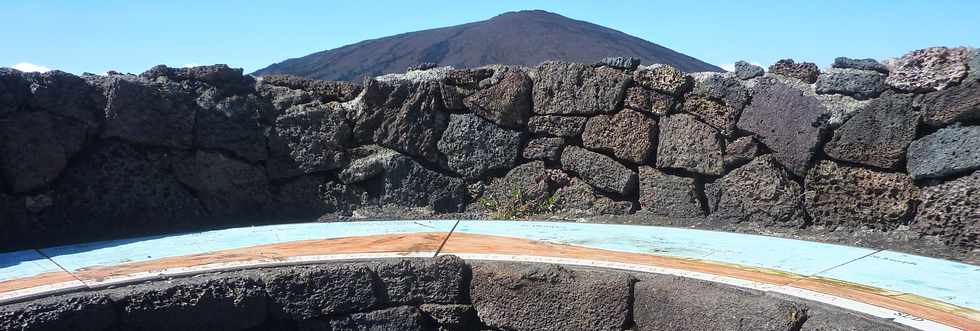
525, 37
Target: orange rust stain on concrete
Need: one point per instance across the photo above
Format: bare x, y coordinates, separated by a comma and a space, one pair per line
952, 315
47, 278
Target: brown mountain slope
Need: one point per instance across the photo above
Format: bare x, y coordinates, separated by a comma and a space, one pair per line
525, 37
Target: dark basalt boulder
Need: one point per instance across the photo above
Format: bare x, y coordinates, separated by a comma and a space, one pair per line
759, 192
946, 152
544, 148
209, 303
83, 311
474, 147
539, 297
561, 126
620, 62
305, 293
959, 103
628, 135
324, 90
232, 124
688, 144
562, 88
662, 78
406, 318
506, 103
878, 135
367, 111
653, 102
451, 317
949, 210
860, 64
417, 126
409, 184
741, 151
412, 282
314, 136
667, 195
149, 113
35, 148
309, 197
600, 171
928, 69
838, 195
804, 71
367, 162
529, 186
787, 121
860, 84
15, 91
219, 75
723, 87
745, 70
66, 95
715, 113
227, 187
578, 199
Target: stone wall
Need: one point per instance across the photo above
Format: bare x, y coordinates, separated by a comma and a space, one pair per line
859, 145
444, 293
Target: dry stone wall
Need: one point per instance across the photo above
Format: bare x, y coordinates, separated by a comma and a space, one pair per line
860, 145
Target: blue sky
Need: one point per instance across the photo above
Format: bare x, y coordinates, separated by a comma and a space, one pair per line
131, 36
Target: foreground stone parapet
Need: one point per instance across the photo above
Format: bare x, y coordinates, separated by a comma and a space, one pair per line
532, 297
761, 192
841, 195
628, 135
946, 152
950, 210
83, 311
319, 291
599, 170
878, 135
441, 280
929, 69
562, 88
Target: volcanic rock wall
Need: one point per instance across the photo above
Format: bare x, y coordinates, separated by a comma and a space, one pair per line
861, 144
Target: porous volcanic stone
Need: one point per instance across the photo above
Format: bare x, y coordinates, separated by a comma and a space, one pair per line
668, 195
323, 90
579, 199
314, 136
226, 186
804, 71
878, 135
368, 110
451, 317
740, 151
562, 88
620, 62
151, 113
539, 297
413, 282
759, 192
790, 123
231, 124
745, 70
600, 171
218, 75
544, 148
641, 99
312, 196
310, 292
66, 95
628, 135
974, 64
946, 152
860, 84
209, 303
35, 148
473, 146
406, 318
842, 195
561, 126
959, 103
417, 126
860, 64
529, 184
674, 303
409, 184
823, 317
839, 106
661, 78
469, 77
507, 103
14, 91
686, 143
368, 162
83, 311
715, 113
949, 210
724, 87
928, 69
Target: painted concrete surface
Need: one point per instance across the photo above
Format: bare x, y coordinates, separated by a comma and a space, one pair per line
23, 264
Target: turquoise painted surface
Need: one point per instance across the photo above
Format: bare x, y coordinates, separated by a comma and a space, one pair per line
22, 264
948, 281
75, 257
800, 257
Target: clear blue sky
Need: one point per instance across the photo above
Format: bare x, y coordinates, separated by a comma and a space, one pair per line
131, 36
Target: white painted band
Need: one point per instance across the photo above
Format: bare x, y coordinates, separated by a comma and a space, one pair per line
40, 291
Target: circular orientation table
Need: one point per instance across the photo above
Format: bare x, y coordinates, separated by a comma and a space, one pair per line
920, 292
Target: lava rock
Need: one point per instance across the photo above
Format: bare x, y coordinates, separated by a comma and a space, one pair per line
620, 62
787, 121
309, 197
210, 303
662, 78
561, 126
745, 70
314, 136
760, 192
675, 303
231, 125
804, 71
974, 64
83, 311
600, 171
474, 146
151, 113
369, 161
304, 293
507, 103
417, 126
562, 88
840, 107
544, 148
877, 136
399, 318
959, 103
409, 184
451, 317
721, 86
949, 210
528, 185
218, 75
838, 195
823, 317
860, 84
227, 187
578, 199
368, 110
717, 114
860, 64
740, 151
35, 148
928, 69
686, 143
15, 91
643, 100
412, 282
667, 195
324, 90
469, 77
628, 135
539, 297
67, 95
946, 152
